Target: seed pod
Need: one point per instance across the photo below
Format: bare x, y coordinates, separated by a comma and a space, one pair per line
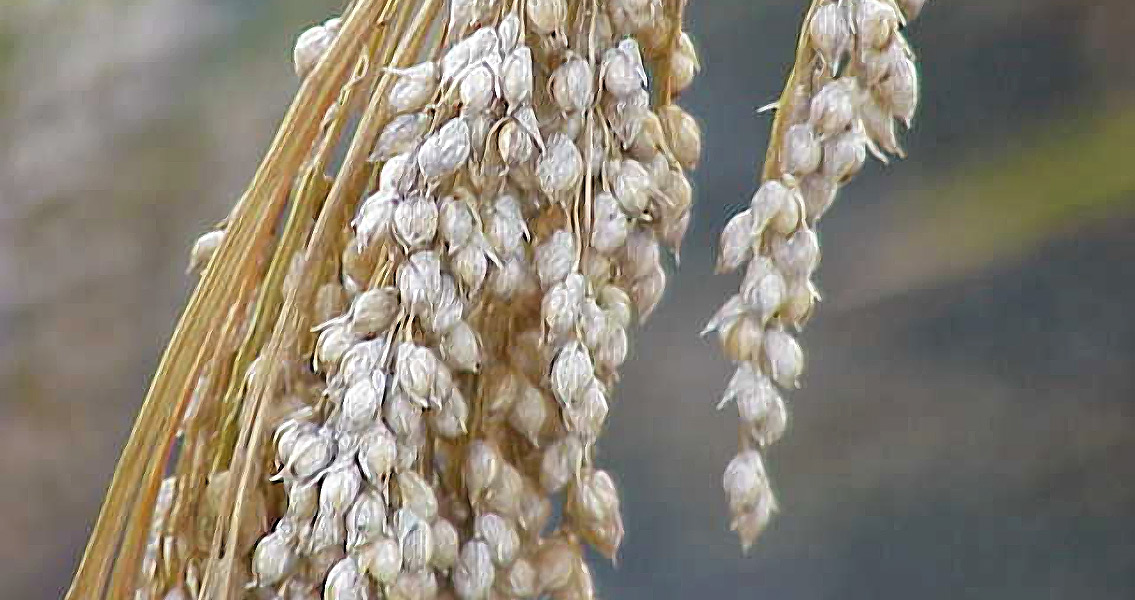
834, 106
470, 266
417, 547
547, 16
413, 585
801, 299
844, 155
520, 580
745, 480
785, 358
741, 338
478, 87
462, 349
417, 495
311, 45
830, 33
204, 249
468, 51
328, 532
366, 519
455, 222
622, 70
452, 421
646, 292
612, 349
345, 582
482, 463
799, 254
375, 219
397, 174
312, 453
404, 416
533, 509
632, 185
554, 258
561, 306
763, 289
303, 501
377, 454
684, 64
383, 560
274, 558
875, 23
339, 488
766, 424
593, 321
802, 151
617, 304
556, 564
446, 543
560, 168
588, 416
515, 144
819, 193
628, 116
736, 242
501, 537
572, 84
473, 575
400, 135
516, 77
446, 309
414, 87
360, 406
374, 311
508, 30
751, 523
744, 383
446, 150
683, 134
511, 279
899, 90
777, 206
529, 414
879, 125
609, 231
572, 372
330, 302
506, 228
593, 504
561, 463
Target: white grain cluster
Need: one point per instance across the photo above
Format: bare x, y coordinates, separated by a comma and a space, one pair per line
527, 187
857, 79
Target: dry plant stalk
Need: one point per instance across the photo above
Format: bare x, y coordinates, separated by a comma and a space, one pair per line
393, 367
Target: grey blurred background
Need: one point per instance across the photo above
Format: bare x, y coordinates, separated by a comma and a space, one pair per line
967, 426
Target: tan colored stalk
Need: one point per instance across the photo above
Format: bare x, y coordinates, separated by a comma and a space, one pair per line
140, 467
294, 320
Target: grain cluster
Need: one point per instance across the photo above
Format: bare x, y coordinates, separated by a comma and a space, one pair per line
393, 376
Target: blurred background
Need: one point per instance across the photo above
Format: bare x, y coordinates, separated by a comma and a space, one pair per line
967, 425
